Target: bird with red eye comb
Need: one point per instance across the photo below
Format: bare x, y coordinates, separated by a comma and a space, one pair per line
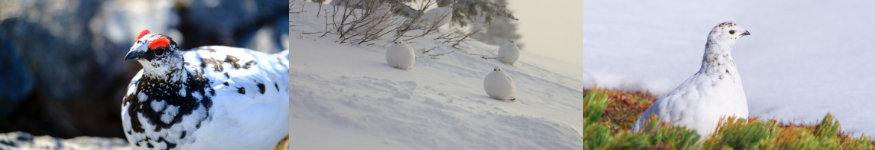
210, 97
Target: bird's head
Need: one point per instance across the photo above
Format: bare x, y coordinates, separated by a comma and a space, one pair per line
158, 54
497, 69
512, 41
726, 34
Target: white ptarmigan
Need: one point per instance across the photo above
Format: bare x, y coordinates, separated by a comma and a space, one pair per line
509, 53
499, 86
400, 56
378, 22
438, 17
211, 97
713, 92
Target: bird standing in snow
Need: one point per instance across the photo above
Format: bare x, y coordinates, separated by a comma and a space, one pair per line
400, 56
499, 86
509, 53
713, 92
211, 97
438, 17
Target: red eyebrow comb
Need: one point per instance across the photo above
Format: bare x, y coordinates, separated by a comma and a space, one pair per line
160, 42
142, 33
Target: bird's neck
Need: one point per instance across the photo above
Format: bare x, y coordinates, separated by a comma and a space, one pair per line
717, 62
171, 71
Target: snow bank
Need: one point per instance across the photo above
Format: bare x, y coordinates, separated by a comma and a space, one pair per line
347, 97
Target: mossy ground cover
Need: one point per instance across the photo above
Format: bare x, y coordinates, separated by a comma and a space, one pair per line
608, 116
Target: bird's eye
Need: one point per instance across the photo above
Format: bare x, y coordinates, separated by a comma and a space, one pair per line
731, 31
159, 51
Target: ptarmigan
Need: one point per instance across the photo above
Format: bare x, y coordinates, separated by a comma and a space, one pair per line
400, 56
211, 97
509, 53
713, 92
438, 17
499, 86
378, 22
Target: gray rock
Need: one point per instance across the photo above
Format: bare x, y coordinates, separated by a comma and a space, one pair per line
16, 80
54, 40
75, 76
219, 22
24, 140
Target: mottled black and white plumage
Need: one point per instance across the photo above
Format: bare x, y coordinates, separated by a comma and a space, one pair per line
211, 97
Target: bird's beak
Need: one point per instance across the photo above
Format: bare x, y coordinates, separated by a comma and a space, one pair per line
745, 33
131, 55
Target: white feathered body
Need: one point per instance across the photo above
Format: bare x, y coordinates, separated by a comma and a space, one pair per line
499, 86
508, 53
400, 56
715, 91
701, 101
243, 103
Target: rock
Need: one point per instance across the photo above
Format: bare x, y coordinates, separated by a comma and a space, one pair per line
281, 35
220, 22
54, 40
24, 140
16, 80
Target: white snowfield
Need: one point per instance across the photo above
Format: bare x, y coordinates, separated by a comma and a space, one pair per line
348, 97
801, 61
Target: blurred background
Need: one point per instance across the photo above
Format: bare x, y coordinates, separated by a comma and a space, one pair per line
61, 61
802, 59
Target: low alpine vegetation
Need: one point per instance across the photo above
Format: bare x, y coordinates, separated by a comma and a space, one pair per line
608, 116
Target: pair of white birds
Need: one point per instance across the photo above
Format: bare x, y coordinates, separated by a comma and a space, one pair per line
497, 84
401, 56
715, 91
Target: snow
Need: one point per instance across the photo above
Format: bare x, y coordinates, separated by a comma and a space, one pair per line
801, 61
347, 97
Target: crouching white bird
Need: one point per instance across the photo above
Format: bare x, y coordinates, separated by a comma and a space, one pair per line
438, 17
378, 22
713, 92
499, 86
400, 56
509, 53
211, 97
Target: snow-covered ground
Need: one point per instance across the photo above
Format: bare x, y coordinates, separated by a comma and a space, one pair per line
347, 97
802, 60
